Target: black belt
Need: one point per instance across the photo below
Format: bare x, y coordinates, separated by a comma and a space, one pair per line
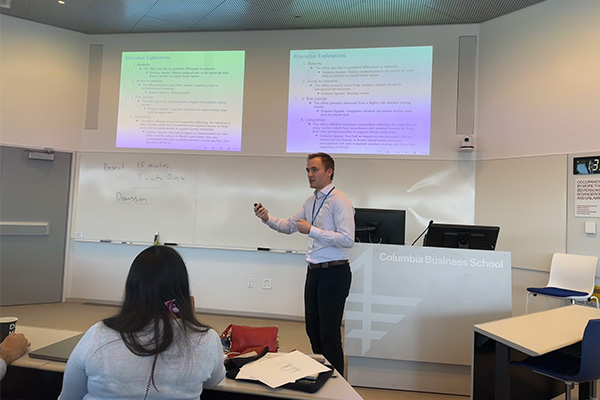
327, 264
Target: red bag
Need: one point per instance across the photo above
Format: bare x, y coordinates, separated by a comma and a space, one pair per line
241, 337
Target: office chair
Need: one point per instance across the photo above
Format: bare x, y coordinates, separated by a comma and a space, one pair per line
572, 277
574, 364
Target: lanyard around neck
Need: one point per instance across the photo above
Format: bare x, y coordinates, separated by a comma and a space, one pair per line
314, 216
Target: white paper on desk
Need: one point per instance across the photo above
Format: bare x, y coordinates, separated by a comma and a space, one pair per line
242, 374
286, 368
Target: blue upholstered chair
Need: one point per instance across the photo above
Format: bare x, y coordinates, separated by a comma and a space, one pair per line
574, 364
572, 278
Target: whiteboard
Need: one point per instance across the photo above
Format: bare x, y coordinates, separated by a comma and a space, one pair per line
207, 200
131, 196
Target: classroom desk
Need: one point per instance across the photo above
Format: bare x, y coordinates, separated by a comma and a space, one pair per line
497, 343
30, 378
336, 388
26, 370
41, 337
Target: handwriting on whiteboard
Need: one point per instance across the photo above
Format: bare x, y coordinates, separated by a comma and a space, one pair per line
125, 198
140, 175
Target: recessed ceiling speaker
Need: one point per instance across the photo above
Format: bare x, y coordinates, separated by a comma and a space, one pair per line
465, 103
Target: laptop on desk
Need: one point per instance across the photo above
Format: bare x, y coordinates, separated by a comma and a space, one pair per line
59, 351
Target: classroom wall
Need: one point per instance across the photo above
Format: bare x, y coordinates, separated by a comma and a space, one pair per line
506, 191
44, 82
537, 106
538, 81
536, 76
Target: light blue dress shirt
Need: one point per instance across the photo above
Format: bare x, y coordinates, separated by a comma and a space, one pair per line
332, 230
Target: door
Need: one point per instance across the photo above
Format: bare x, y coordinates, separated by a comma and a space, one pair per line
34, 202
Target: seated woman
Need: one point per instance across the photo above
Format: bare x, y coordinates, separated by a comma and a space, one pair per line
154, 348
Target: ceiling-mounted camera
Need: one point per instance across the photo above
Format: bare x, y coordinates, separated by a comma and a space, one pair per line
467, 143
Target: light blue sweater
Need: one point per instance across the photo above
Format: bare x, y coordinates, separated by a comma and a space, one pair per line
102, 367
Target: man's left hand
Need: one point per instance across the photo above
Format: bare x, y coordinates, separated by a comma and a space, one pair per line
303, 226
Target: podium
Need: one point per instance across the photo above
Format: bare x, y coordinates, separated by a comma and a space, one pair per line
411, 311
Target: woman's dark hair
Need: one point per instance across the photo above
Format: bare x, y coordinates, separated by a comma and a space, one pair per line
158, 274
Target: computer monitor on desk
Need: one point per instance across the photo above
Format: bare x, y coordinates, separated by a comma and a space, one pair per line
478, 237
379, 226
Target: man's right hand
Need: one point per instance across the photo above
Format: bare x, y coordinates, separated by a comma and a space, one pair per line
261, 212
13, 347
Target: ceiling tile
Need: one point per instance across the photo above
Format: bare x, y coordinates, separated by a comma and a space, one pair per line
115, 16
50, 12
183, 12
474, 11
396, 13
150, 24
273, 5
18, 8
238, 15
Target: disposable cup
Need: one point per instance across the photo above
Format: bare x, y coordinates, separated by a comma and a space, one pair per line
8, 325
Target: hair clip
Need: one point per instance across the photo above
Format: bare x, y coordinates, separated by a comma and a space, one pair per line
172, 307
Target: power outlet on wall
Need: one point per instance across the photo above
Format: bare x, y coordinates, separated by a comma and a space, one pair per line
250, 284
267, 284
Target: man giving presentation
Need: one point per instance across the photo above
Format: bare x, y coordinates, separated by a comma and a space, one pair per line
327, 218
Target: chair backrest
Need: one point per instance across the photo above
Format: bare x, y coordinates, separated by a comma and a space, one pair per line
574, 272
590, 352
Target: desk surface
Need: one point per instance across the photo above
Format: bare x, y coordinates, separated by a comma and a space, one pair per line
41, 337
334, 389
539, 333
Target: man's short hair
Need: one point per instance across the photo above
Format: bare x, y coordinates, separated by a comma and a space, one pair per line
326, 160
